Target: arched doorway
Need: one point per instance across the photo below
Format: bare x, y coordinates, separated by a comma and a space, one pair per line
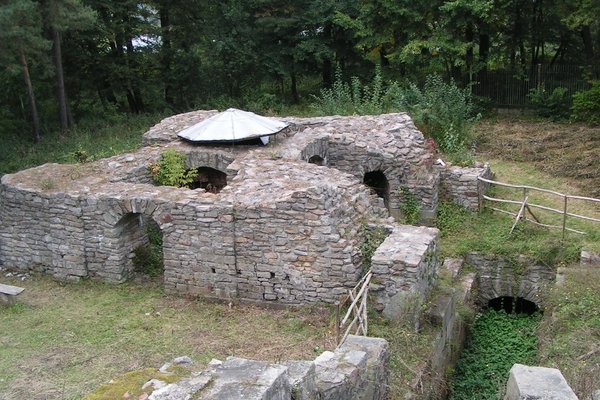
517, 305
317, 160
210, 179
139, 245
377, 181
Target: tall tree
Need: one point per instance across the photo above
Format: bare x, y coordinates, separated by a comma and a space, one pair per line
21, 38
61, 16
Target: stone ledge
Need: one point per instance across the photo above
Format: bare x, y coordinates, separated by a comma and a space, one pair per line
537, 383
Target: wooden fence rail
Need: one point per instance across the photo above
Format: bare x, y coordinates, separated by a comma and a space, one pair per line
357, 310
526, 206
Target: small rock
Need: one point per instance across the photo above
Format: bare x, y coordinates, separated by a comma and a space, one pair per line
9, 274
143, 396
214, 363
155, 383
127, 396
165, 368
182, 360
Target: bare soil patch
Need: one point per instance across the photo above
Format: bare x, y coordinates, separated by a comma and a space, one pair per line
558, 149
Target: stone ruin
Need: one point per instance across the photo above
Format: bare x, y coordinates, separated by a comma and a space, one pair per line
287, 227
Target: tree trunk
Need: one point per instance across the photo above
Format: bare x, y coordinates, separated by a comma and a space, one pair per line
327, 73
60, 82
34, 113
165, 26
586, 36
294, 89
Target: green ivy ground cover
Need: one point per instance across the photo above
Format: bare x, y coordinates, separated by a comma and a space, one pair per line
498, 340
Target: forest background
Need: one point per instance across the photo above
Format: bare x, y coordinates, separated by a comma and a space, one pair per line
69, 65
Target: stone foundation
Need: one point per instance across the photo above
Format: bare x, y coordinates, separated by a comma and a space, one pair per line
499, 276
461, 185
404, 270
283, 230
357, 370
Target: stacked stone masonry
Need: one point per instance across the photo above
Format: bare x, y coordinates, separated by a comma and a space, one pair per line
283, 230
462, 186
356, 370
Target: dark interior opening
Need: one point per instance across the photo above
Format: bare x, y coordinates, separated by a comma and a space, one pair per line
377, 181
517, 305
317, 160
210, 179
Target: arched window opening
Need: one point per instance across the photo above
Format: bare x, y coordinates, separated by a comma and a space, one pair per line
377, 181
517, 305
210, 179
317, 160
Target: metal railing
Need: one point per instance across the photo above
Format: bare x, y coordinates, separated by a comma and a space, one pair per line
526, 206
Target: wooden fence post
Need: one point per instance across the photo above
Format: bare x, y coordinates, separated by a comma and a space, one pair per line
564, 224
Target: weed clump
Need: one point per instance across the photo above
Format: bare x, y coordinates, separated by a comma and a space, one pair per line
170, 170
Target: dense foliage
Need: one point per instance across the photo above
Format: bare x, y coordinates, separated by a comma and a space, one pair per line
68, 60
586, 105
498, 340
170, 170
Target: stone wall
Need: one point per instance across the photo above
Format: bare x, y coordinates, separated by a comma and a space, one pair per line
404, 270
282, 230
356, 370
499, 276
461, 185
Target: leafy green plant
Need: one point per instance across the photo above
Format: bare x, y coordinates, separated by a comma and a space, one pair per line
409, 205
586, 105
554, 105
498, 340
441, 110
373, 239
171, 171
351, 98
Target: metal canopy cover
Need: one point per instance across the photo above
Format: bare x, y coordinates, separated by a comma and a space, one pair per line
232, 125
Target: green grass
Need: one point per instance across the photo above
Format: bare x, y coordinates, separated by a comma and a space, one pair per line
61, 341
571, 330
409, 353
90, 141
463, 231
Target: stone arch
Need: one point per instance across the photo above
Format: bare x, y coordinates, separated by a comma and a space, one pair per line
132, 231
517, 305
210, 179
377, 181
317, 160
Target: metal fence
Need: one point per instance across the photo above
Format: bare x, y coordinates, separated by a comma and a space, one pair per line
510, 88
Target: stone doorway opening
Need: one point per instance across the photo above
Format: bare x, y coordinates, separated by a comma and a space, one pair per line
210, 179
317, 160
377, 181
140, 245
516, 305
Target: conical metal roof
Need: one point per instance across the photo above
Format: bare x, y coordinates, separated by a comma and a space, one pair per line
233, 125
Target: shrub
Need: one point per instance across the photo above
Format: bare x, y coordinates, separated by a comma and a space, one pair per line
553, 105
586, 105
170, 170
441, 110
351, 98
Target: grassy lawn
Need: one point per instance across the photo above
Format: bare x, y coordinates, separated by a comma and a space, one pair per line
63, 340
569, 337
